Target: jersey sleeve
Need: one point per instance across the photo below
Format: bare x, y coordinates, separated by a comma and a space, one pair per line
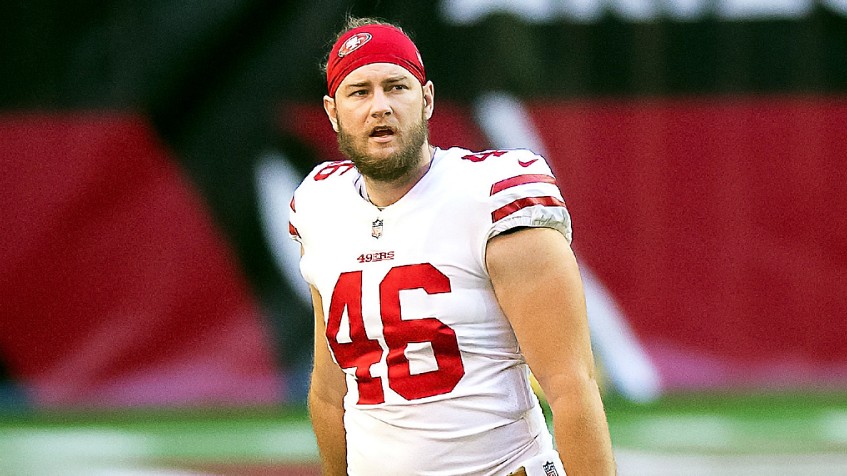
293, 232
309, 194
295, 220
524, 193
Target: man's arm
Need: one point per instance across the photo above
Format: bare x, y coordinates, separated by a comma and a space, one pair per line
538, 285
326, 393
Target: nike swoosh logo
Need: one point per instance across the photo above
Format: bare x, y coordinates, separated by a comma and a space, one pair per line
527, 163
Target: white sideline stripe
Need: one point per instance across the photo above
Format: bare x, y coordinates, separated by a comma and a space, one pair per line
506, 123
76, 452
834, 425
675, 432
101, 450
107, 451
643, 463
715, 433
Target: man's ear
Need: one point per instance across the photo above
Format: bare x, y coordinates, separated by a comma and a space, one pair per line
429, 99
331, 112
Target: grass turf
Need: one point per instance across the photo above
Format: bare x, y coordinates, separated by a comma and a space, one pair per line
696, 423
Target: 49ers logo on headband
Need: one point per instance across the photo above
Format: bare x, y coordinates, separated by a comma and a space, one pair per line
354, 43
372, 44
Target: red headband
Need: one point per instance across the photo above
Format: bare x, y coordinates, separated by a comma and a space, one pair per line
372, 44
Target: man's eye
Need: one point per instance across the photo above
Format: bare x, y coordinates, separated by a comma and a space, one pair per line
359, 92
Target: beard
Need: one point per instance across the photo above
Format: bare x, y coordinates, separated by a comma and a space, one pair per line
397, 165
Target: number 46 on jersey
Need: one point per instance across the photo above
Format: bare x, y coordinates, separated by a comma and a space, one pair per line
362, 352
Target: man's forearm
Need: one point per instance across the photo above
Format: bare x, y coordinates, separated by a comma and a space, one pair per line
328, 424
582, 433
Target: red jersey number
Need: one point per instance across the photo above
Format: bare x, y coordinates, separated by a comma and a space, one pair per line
340, 166
361, 352
479, 157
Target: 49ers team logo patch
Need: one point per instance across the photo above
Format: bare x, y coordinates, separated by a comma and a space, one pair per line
354, 43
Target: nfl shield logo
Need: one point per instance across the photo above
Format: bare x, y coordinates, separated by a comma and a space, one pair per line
376, 228
550, 469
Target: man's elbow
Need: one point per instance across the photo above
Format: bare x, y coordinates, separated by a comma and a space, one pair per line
570, 386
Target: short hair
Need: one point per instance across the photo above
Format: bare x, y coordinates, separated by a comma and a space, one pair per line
350, 23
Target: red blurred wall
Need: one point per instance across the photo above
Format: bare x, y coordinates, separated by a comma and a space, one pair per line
115, 287
720, 225
717, 224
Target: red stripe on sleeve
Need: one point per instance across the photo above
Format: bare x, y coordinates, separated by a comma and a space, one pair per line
520, 180
293, 230
521, 203
292, 204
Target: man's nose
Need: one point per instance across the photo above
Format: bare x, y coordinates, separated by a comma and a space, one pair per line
380, 105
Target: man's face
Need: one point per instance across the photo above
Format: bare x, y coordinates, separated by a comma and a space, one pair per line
380, 113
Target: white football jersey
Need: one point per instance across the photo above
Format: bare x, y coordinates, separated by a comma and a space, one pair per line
436, 381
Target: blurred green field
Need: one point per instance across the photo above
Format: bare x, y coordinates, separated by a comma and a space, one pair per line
692, 434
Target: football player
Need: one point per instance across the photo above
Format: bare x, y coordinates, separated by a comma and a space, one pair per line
439, 277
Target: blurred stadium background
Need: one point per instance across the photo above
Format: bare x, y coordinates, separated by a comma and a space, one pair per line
151, 316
